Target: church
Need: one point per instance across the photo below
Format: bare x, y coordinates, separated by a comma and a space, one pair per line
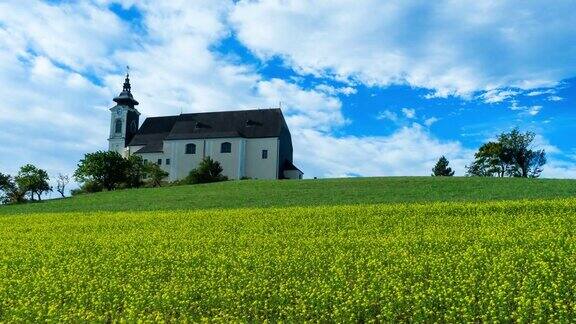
252, 144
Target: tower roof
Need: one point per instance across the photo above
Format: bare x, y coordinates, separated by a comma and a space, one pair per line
125, 97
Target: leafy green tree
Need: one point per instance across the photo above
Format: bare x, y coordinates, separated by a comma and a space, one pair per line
9, 191
208, 171
136, 171
489, 161
5, 187
518, 153
441, 169
512, 155
33, 180
155, 174
105, 169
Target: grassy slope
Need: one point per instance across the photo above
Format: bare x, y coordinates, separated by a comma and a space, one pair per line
257, 193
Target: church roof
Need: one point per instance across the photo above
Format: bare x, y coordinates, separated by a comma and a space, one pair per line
241, 123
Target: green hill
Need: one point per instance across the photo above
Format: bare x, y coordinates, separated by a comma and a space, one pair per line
416, 249
260, 193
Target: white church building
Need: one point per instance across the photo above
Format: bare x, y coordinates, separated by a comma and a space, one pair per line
248, 143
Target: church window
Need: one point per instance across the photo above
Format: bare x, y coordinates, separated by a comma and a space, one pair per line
118, 126
226, 147
264, 154
190, 148
159, 161
167, 161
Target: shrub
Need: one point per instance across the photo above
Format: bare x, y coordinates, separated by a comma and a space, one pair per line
208, 171
155, 174
87, 187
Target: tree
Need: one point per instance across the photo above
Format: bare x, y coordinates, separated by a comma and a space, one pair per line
208, 171
9, 191
33, 180
441, 169
518, 153
5, 187
155, 174
489, 161
106, 169
62, 182
136, 171
512, 155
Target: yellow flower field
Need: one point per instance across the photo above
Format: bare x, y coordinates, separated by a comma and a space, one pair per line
511, 261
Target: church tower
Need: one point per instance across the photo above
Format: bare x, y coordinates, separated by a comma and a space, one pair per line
124, 119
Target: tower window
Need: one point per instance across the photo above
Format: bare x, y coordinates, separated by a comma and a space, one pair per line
118, 126
264, 154
190, 149
226, 147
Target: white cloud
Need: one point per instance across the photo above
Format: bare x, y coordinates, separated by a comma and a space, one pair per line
555, 98
78, 35
409, 113
409, 151
540, 92
430, 121
450, 47
497, 96
306, 109
559, 169
335, 91
534, 110
387, 115
529, 110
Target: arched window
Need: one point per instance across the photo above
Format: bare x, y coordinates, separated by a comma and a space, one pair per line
133, 127
118, 126
226, 147
190, 149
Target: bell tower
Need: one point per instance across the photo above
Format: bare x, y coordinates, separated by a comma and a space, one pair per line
124, 119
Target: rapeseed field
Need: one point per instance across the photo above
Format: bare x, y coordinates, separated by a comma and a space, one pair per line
434, 261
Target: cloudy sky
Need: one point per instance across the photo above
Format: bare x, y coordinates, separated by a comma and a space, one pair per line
368, 87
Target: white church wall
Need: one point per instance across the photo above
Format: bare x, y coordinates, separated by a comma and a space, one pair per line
182, 163
154, 157
255, 166
117, 145
230, 162
244, 160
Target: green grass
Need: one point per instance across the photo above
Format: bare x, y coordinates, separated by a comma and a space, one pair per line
447, 262
255, 193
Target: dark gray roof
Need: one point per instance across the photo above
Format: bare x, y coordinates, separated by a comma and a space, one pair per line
241, 123
153, 147
290, 166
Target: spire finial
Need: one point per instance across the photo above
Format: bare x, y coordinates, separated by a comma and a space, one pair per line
127, 87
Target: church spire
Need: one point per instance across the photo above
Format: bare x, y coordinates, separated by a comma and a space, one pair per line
127, 83
125, 97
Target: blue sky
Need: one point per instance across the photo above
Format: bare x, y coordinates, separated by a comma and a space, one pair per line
368, 87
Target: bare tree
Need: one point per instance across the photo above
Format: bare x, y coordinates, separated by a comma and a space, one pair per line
63, 180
